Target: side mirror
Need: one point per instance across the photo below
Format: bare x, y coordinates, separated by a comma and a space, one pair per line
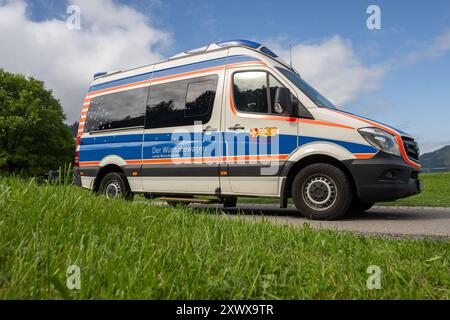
283, 101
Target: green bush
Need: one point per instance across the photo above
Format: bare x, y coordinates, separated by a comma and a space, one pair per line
33, 136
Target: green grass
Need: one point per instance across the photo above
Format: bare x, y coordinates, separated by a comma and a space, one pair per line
136, 250
435, 194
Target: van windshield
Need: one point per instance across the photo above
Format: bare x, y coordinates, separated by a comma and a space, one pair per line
309, 91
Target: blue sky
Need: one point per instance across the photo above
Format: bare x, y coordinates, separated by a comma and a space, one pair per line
404, 66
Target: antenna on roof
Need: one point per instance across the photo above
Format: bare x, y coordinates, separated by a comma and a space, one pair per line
290, 55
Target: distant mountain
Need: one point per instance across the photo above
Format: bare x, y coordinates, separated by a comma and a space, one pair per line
436, 159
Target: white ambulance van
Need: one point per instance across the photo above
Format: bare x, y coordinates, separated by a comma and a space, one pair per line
233, 120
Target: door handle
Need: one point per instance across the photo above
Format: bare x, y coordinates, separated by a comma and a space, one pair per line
209, 129
236, 127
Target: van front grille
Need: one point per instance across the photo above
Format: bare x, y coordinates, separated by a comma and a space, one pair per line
412, 149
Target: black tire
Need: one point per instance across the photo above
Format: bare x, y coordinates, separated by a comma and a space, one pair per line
322, 192
358, 206
115, 185
229, 202
177, 203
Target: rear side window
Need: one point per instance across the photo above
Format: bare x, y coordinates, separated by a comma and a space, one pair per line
181, 103
117, 110
199, 99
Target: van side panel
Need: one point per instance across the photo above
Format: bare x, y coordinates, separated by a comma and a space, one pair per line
173, 153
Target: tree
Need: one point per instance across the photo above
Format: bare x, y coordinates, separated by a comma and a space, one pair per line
73, 128
33, 136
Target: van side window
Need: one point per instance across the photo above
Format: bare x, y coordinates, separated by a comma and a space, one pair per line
180, 103
200, 98
250, 91
117, 110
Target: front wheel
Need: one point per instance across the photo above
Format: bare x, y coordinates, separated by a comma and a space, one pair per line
114, 185
322, 192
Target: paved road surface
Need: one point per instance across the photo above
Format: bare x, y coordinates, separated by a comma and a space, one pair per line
390, 221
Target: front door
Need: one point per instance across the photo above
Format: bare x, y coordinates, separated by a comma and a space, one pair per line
258, 137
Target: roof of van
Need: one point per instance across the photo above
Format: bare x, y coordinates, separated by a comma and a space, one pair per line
211, 47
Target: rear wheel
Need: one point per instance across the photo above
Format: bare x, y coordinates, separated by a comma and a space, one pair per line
322, 192
115, 185
177, 203
229, 202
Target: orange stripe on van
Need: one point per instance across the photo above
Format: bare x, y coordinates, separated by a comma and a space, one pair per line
89, 163
134, 161
256, 158
377, 125
397, 136
189, 73
325, 123
179, 75
238, 64
405, 156
121, 87
209, 159
364, 155
281, 118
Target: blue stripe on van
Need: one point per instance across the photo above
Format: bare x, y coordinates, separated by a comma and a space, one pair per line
173, 70
350, 146
129, 147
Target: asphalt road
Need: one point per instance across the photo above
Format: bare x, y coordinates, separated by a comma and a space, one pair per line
415, 222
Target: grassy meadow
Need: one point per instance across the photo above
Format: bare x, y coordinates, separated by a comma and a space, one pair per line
128, 250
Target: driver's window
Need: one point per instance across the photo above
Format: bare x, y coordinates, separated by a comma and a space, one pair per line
250, 91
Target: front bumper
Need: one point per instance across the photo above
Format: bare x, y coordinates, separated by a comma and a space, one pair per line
384, 178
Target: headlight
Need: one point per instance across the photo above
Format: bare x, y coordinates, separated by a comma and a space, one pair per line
381, 140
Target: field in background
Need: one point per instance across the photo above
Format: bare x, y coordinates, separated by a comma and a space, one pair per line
435, 194
136, 250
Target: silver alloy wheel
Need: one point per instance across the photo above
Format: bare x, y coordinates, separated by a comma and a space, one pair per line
319, 192
113, 190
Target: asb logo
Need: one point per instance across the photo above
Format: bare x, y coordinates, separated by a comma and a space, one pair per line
263, 132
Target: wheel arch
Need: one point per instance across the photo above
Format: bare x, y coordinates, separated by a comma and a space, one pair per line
104, 171
290, 172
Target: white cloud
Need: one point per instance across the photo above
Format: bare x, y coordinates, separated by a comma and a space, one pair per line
111, 37
333, 67
437, 47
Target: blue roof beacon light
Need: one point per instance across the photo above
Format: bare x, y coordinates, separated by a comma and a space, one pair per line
99, 74
239, 42
248, 43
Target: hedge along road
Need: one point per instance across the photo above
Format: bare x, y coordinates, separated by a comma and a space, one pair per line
415, 222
